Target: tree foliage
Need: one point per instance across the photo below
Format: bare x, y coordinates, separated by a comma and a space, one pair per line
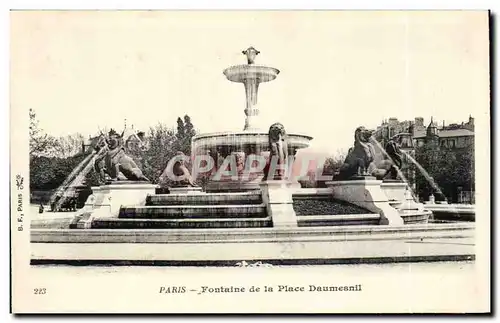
333, 164
40, 142
162, 147
53, 159
163, 144
47, 173
69, 145
448, 169
185, 132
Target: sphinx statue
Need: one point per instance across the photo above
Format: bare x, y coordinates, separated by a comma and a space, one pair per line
278, 149
360, 160
395, 158
112, 163
99, 164
180, 169
388, 168
359, 157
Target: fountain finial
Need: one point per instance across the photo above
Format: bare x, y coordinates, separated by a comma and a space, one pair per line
251, 53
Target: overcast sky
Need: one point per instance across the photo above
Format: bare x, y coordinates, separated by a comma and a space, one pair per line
339, 70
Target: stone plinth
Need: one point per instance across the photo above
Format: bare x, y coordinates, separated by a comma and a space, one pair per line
106, 200
277, 196
395, 191
367, 194
185, 190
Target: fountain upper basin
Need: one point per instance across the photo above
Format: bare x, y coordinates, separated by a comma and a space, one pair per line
241, 73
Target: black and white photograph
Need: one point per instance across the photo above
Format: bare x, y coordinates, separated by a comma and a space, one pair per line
280, 161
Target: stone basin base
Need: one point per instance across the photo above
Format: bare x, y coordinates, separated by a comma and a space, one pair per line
306, 245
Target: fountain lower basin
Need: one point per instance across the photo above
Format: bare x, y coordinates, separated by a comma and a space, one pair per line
220, 145
245, 140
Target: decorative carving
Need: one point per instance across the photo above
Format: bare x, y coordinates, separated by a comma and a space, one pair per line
251, 53
112, 163
278, 148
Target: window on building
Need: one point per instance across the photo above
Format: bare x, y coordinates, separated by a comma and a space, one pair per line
405, 143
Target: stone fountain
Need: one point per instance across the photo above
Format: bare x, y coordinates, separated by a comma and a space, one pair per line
251, 140
359, 217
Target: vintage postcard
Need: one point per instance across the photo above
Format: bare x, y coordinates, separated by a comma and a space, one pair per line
250, 161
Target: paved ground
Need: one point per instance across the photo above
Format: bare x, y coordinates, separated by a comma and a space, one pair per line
55, 220
276, 253
35, 215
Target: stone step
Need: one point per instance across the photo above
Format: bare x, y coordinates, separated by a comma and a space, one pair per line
338, 219
205, 199
193, 211
118, 223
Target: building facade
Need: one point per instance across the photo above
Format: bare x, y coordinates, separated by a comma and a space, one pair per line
450, 136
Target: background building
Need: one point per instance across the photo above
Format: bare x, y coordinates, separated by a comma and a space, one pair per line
133, 140
440, 149
451, 136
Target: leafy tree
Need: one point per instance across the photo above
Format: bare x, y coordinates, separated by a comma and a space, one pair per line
47, 169
48, 173
333, 164
164, 143
189, 128
162, 147
69, 145
448, 169
181, 132
40, 143
185, 132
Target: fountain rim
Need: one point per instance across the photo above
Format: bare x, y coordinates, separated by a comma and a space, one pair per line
242, 133
237, 70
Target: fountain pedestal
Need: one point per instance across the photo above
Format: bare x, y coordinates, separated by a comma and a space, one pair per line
251, 76
367, 194
106, 201
249, 141
277, 195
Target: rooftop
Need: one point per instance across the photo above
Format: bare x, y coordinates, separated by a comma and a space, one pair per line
446, 133
456, 133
